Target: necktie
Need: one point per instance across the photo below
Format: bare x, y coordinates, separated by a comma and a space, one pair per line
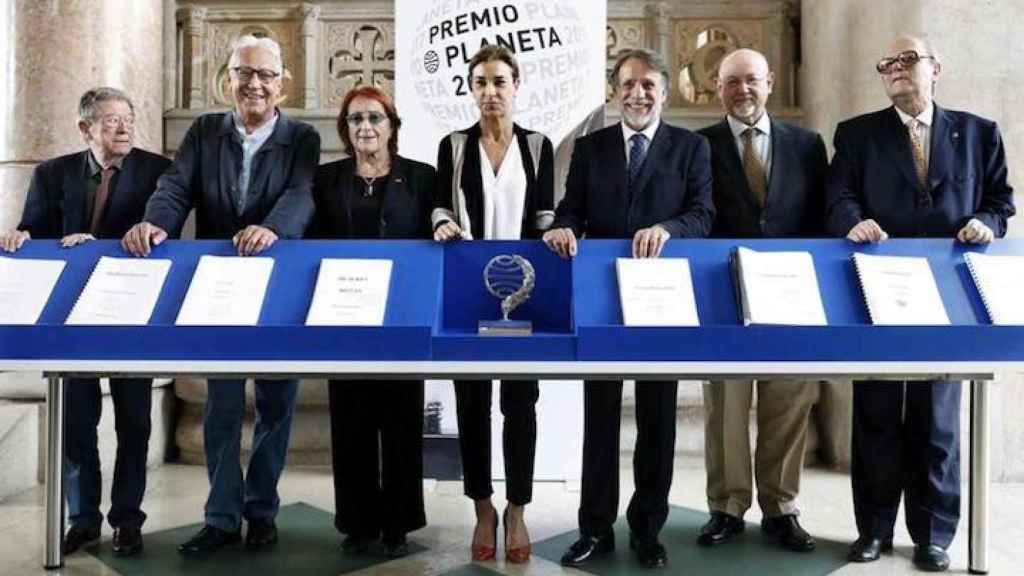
100, 201
637, 153
753, 169
917, 149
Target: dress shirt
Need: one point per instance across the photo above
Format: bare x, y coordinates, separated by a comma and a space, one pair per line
251, 144
648, 132
925, 128
761, 140
504, 194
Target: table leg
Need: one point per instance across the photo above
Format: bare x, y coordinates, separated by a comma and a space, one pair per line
53, 556
977, 547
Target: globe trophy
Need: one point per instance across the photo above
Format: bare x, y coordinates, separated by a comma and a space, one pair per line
511, 278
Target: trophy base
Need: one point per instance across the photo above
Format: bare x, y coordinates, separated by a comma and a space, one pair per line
505, 328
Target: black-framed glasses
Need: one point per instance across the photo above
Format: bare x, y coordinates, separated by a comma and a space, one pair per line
374, 118
245, 74
905, 59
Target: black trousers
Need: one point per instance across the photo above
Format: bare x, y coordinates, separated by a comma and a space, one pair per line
377, 455
652, 457
519, 436
132, 399
907, 444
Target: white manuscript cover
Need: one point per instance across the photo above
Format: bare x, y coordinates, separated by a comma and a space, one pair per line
656, 292
25, 287
120, 292
350, 292
226, 291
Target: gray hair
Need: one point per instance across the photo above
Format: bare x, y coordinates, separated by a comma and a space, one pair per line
250, 41
650, 58
87, 103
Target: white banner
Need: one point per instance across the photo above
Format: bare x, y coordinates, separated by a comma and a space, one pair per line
560, 46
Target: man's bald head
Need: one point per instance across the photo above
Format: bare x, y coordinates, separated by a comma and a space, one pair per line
909, 71
744, 84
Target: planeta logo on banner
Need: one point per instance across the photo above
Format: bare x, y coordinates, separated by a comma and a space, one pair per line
560, 46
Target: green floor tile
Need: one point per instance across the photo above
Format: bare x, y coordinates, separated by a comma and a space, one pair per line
749, 554
471, 570
308, 544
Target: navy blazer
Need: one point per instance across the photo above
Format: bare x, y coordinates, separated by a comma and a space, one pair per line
795, 205
873, 176
674, 186
57, 202
406, 203
205, 175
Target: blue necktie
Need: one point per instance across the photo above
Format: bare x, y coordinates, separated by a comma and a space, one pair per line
637, 153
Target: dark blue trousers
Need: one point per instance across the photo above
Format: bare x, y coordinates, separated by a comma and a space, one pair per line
906, 441
232, 498
132, 399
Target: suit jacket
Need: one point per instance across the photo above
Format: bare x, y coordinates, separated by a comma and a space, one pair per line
540, 182
872, 176
673, 188
795, 205
407, 199
58, 204
205, 175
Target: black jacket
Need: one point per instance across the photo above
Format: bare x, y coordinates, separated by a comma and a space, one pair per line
205, 175
795, 205
407, 199
57, 203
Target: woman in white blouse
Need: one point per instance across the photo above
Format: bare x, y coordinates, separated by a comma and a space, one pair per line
495, 182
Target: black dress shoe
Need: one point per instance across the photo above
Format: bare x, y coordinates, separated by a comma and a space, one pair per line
209, 539
587, 547
788, 532
355, 545
396, 546
262, 532
931, 558
127, 541
649, 553
868, 549
720, 528
79, 536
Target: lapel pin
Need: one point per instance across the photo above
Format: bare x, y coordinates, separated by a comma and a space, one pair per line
398, 180
956, 135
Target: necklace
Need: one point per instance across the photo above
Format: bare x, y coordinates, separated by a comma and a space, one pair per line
369, 182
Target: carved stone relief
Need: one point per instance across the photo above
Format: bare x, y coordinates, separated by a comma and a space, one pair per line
357, 53
700, 46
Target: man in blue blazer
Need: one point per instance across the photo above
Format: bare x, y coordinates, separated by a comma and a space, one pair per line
913, 170
249, 174
645, 180
769, 181
98, 193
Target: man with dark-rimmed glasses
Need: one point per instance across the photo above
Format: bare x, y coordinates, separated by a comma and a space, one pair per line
249, 175
913, 170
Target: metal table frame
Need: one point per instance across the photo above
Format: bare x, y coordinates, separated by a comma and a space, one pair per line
979, 373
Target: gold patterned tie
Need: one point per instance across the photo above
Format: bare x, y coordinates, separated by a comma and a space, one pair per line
753, 169
917, 149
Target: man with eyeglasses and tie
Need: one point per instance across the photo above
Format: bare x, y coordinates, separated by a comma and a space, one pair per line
913, 170
249, 174
769, 182
98, 193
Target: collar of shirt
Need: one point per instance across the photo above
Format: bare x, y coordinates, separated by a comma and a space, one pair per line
649, 132
924, 117
763, 125
258, 135
94, 165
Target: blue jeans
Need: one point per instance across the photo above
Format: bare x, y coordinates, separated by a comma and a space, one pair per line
231, 497
132, 400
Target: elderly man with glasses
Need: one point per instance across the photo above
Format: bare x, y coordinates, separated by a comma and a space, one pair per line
249, 175
98, 193
913, 170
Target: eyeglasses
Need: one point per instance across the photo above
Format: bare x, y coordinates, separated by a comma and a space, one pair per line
113, 120
245, 74
374, 118
905, 59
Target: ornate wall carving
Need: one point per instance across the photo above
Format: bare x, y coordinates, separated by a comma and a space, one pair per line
331, 46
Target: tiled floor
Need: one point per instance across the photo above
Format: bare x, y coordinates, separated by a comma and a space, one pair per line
176, 493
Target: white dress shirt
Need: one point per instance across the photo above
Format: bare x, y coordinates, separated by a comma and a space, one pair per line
504, 194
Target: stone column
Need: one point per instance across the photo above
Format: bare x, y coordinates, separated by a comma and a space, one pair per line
310, 48
192, 22
57, 51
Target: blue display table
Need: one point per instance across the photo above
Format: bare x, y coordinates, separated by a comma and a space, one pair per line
437, 296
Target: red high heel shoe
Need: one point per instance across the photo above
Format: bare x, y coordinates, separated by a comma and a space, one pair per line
519, 555
484, 553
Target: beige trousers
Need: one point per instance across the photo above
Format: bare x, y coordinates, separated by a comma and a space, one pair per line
783, 407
